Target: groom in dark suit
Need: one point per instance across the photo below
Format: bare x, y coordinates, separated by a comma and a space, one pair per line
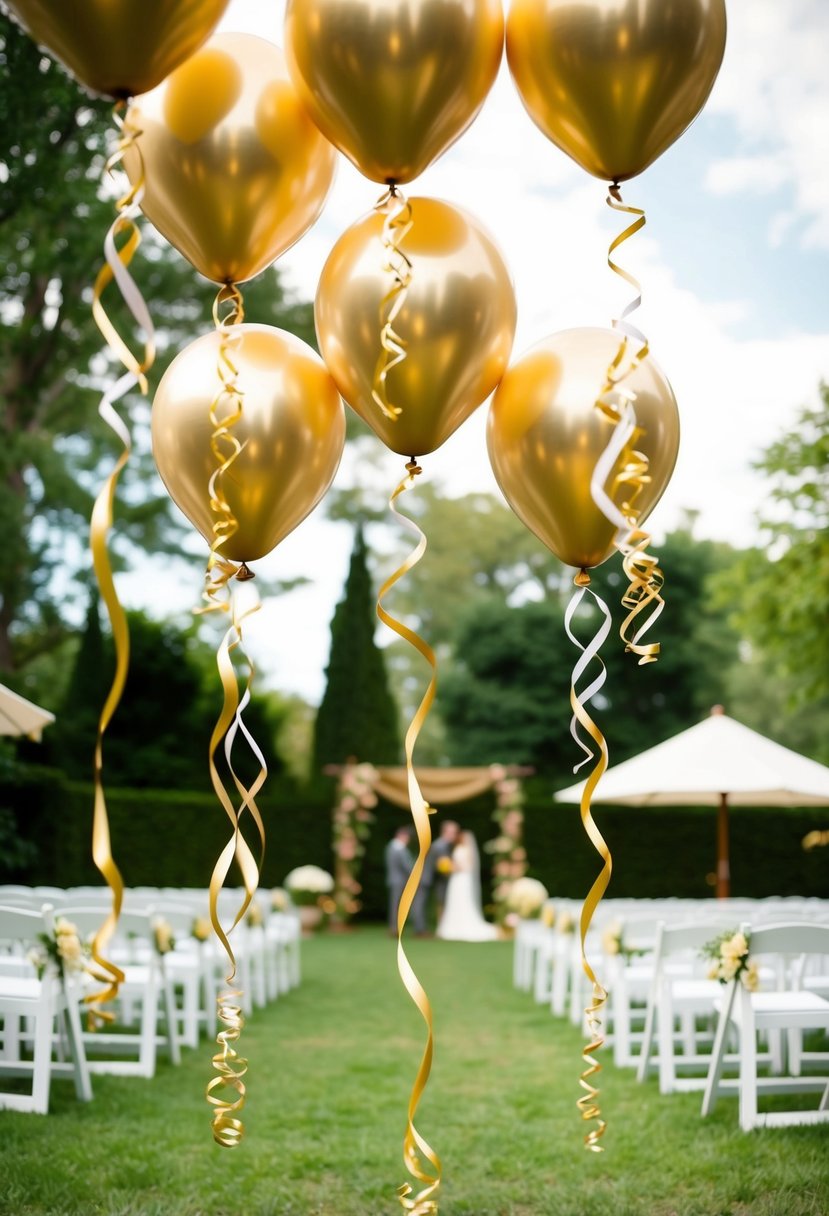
399, 862
435, 875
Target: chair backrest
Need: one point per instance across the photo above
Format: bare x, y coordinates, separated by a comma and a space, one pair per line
794, 938
89, 919
21, 926
676, 939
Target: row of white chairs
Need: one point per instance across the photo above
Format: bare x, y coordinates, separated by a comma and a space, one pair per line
166, 1000
665, 1014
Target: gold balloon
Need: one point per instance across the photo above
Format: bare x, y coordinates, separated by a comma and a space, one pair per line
235, 171
614, 82
393, 82
457, 323
292, 432
545, 434
120, 47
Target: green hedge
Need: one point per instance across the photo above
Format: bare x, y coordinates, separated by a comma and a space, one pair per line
172, 839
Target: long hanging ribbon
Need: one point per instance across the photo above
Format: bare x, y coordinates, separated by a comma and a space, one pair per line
120, 245
416, 1151
579, 698
226, 1090
617, 403
396, 226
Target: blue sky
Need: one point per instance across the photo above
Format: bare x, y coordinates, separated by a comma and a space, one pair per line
734, 265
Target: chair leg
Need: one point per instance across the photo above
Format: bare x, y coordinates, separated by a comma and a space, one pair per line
168, 1002
149, 1022
42, 1071
748, 1065
712, 1081
667, 1068
643, 1063
83, 1083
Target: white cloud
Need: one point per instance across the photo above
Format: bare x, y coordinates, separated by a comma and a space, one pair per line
775, 85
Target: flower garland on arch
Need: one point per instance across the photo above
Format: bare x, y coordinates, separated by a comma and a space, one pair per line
509, 857
352, 819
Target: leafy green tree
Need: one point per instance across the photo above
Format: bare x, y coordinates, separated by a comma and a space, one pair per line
358, 715
53, 448
783, 603
159, 738
506, 696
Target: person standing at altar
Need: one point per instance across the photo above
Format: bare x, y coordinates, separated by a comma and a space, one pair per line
399, 862
436, 873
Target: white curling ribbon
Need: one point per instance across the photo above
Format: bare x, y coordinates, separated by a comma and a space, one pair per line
589, 653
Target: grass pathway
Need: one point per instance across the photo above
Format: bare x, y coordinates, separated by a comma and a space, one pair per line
330, 1071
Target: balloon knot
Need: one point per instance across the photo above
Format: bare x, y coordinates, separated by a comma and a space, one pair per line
582, 579
412, 467
244, 574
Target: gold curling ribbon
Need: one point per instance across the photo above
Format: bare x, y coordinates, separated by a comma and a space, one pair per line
588, 1103
397, 224
226, 1090
120, 245
617, 403
418, 1155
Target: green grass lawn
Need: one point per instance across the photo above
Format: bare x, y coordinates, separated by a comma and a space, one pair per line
330, 1070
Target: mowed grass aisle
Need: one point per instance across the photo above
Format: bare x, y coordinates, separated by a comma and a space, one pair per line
330, 1071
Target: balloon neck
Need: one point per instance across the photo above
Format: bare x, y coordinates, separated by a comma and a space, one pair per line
615, 191
244, 574
582, 579
412, 467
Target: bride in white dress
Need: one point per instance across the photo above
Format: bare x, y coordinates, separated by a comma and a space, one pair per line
463, 918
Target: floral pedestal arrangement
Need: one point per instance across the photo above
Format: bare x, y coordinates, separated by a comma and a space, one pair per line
310, 890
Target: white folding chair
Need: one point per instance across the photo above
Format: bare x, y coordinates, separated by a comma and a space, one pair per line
789, 1009
42, 1001
146, 984
679, 994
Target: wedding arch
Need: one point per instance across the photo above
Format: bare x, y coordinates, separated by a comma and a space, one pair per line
361, 785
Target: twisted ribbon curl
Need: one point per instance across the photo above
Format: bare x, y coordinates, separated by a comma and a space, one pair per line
617, 404
579, 698
226, 1091
416, 1150
120, 245
397, 224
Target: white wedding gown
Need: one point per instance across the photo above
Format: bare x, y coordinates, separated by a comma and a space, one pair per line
462, 919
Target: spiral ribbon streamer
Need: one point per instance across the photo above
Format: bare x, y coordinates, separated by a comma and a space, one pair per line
579, 698
419, 1157
617, 403
226, 1090
120, 245
396, 226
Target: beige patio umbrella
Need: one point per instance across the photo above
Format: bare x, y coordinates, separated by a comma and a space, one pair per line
21, 717
718, 762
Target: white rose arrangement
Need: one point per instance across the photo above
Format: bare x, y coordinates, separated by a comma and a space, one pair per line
730, 959
309, 885
527, 896
64, 949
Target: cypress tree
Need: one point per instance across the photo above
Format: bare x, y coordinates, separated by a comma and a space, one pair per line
358, 715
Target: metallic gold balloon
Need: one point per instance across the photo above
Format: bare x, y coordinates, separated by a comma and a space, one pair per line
545, 434
393, 82
235, 170
292, 432
120, 47
614, 82
457, 323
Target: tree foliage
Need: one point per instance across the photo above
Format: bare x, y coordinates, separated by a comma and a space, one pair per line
782, 604
358, 715
507, 695
159, 737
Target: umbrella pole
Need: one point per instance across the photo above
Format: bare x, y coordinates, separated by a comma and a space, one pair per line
723, 863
